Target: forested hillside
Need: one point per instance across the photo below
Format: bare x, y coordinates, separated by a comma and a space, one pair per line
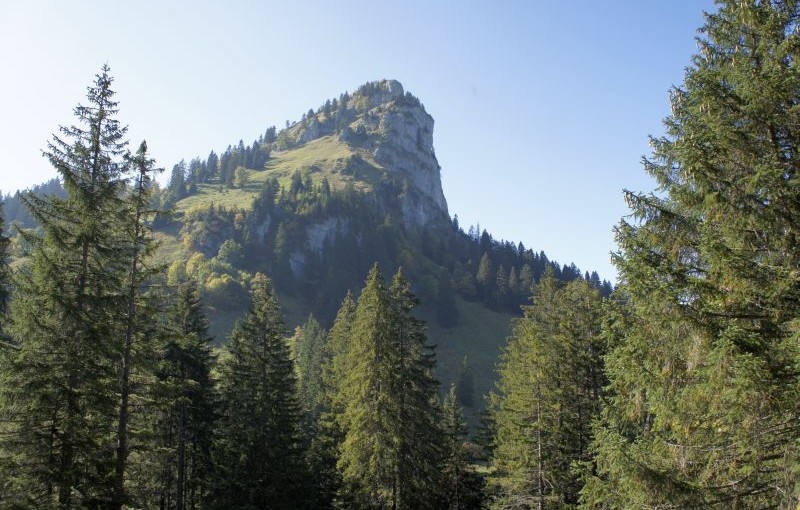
316, 204
679, 389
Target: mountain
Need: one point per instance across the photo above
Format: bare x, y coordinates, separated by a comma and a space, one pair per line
393, 133
316, 204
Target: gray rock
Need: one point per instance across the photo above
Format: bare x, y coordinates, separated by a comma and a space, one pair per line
326, 230
394, 126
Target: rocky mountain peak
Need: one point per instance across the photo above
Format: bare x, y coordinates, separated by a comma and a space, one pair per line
381, 92
393, 128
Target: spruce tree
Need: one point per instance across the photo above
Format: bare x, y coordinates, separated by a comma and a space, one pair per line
175, 469
258, 458
337, 358
365, 454
704, 409
309, 349
548, 394
5, 277
309, 346
59, 387
392, 446
141, 247
324, 450
462, 486
420, 440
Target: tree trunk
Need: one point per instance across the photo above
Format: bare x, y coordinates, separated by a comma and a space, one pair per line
539, 451
181, 458
125, 388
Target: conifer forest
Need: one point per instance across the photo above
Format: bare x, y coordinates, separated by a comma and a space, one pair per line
285, 325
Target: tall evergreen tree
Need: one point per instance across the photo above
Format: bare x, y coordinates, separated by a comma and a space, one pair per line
324, 450
337, 358
177, 182
704, 409
549, 392
390, 454
420, 440
142, 245
309, 349
486, 277
309, 346
462, 486
5, 277
258, 456
177, 465
58, 388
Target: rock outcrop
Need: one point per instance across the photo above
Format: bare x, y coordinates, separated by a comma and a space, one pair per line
392, 126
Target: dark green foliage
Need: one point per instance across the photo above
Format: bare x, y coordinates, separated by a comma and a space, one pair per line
258, 456
466, 385
106, 393
206, 230
704, 409
177, 182
16, 213
5, 275
462, 486
392, 446
309, 349
174, 471
324, 450
59, 385
136, 349
230, 252
549, 392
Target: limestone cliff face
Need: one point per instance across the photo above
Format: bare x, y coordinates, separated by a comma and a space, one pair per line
402, 137
393, 127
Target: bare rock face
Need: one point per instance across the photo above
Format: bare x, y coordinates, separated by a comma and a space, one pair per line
326, 230
402, 135
393, 126
381, 92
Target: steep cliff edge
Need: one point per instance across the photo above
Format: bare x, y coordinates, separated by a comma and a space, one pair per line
391, 131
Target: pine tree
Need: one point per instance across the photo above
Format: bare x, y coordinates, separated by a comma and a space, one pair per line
421, 441
141, 247
513, 284
258, 456
324, 449
365, 453
58, 387
549, 392
309, 349
462, 486
501, 287
390, 454
177, 463
704, 409
177, 181
486, 277
5, 277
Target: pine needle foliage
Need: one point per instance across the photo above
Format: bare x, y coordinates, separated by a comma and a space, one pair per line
258, 456
58, 396
704, 377
548, 393
392, 446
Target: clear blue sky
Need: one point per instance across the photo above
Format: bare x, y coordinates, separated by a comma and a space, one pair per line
542, 109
